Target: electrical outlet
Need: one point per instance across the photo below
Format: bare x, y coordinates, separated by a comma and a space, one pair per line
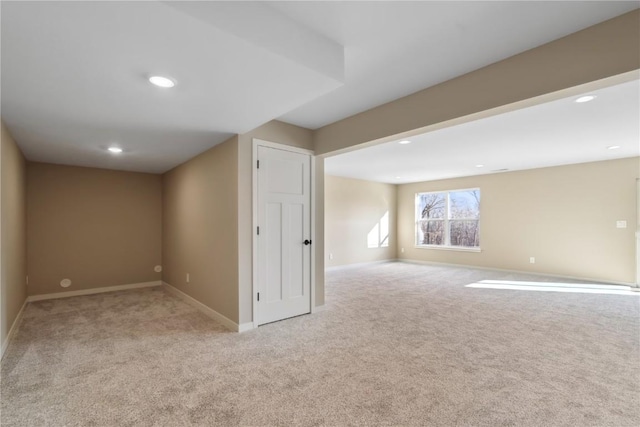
330, 255
532, 260
187, 277
402, 250
621, 224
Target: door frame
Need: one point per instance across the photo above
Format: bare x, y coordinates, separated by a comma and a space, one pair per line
254, 208
637, 233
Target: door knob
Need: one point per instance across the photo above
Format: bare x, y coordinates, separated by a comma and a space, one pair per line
307, 242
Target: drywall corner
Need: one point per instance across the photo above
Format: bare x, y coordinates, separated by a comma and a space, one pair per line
13, 233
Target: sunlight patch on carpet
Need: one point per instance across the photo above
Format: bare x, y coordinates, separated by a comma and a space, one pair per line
554, 287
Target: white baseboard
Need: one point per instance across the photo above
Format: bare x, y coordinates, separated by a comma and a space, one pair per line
318, 308
225, 321
359, 265
13, 329
535, 273
245, 327
93, 291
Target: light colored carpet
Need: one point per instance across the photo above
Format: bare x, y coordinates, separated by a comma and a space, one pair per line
399, 344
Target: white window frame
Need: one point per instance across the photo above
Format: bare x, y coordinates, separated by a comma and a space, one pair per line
446, 221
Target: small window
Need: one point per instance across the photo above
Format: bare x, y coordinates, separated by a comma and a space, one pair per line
448, 219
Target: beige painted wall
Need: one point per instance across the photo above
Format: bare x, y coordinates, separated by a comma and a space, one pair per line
281, 133
353, 208
96, 227
200, 228
13, 228
563, 216
604, 51
215, 187
207, 223
607, 49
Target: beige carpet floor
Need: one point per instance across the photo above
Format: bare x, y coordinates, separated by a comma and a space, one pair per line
399, 344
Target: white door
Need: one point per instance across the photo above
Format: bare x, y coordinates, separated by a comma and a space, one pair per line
284, 234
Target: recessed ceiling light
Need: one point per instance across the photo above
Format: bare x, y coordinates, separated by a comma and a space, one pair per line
613, 147
115, 150
479, 166
398, 177
585, 98
160, 81
406, 141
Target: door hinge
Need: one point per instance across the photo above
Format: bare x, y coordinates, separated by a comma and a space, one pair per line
258, 296
258, 231
258, 165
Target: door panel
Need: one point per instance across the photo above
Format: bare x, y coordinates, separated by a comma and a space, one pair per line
273, 235
285, 177
284, 219
296, 235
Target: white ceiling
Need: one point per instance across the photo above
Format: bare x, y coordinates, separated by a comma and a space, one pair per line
551, 134
74, 77
74, 74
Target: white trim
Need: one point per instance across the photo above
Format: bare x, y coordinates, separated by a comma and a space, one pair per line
243, 327
93, 291
319, 308
225, 321
13, 329
312, 205
254, 222
449, 248
637, 258
637, 232
254, 236
359, 265
535, 273
278, 146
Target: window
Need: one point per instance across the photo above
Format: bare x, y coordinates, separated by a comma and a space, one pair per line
448, 219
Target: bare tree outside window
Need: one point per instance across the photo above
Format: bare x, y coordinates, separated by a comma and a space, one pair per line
432, 218
448, 218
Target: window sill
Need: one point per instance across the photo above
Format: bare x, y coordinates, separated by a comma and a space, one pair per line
448, 248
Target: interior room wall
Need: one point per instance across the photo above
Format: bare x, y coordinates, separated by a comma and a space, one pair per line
200, 228
282, 133
553, 70
563, 216
354, 211
217, 233
13, 228
96, 227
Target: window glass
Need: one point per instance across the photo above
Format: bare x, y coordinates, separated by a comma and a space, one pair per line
449, 218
